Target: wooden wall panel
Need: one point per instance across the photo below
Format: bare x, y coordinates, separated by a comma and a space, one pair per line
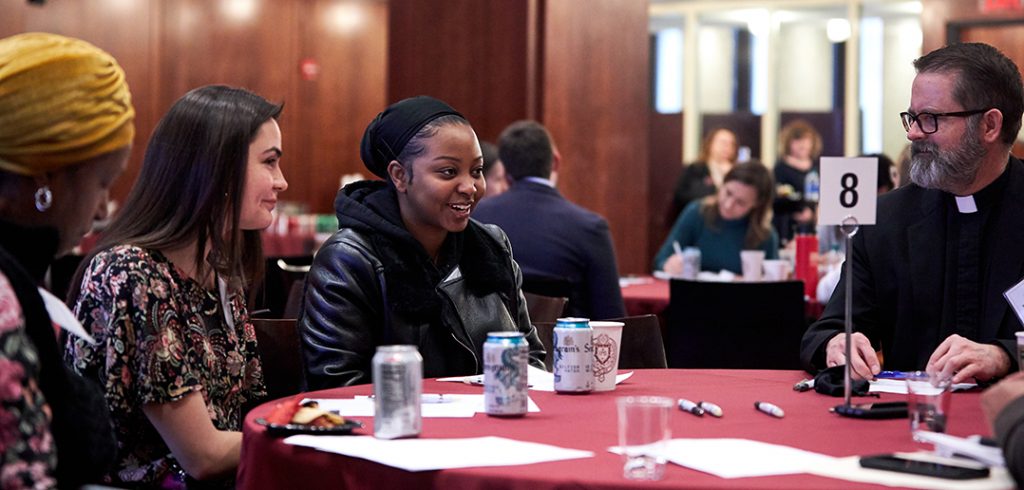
666, 166
936, 16
348, 41
472, 54
170, 47
595, 102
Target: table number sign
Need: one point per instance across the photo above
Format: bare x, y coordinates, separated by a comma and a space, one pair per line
849, 188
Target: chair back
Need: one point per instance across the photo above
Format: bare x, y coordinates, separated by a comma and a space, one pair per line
545, 330
642, 346
544, 308
295, 295
281, 274
280, 354
736, 325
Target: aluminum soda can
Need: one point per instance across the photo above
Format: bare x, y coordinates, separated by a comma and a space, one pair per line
505, 378
574, 355
691, 263
397, 386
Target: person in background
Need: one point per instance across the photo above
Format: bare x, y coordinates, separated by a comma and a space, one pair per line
164, 291
551, 236
929, 276
737, 218
408, 265
1003, 406
494, 170
718, 153
903, 168
67, 130
799, 149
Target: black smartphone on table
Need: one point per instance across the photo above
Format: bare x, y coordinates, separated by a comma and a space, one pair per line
882, 410
891, 462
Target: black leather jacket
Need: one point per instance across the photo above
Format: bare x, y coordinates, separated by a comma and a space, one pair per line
350, 307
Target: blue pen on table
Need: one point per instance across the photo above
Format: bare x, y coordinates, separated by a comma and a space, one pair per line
769, 409
711, 408
688, 406
892, 375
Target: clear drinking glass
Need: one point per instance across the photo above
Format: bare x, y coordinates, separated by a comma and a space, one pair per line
928, 402
643, 432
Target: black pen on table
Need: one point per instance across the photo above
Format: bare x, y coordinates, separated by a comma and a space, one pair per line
688, 406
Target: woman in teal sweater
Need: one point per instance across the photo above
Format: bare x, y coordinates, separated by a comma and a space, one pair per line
737, 218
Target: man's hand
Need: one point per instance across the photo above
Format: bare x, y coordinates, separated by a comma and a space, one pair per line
865, 363
996, 398
964, 359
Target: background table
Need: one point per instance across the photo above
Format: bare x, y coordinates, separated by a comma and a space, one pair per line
589, 422
649, 295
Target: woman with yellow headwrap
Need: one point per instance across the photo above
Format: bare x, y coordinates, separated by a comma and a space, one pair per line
66, 128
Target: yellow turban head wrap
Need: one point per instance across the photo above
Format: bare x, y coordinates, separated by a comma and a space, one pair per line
62, 101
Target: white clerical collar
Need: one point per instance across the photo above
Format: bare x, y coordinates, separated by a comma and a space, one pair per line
966, 204
540, 180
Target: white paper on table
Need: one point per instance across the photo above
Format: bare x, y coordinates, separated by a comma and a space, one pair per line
439, 454
433, 406
899, 386
537, 379
737, 458
849, 469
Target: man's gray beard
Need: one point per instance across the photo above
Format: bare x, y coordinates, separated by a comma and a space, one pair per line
951, 170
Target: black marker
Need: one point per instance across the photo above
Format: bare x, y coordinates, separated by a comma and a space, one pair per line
688, 406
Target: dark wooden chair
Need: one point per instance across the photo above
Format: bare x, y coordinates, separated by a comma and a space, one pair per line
736, 325
544, 308
641, 346
278, 345
271, 301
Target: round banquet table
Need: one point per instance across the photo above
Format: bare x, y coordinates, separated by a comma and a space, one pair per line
588, 422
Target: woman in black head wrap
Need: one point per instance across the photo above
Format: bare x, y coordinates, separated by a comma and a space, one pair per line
408, 265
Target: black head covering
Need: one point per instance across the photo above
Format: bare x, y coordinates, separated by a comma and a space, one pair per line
389, 132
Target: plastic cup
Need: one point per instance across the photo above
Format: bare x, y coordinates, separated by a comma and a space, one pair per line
753, 263
643, 432
607, 339
1020, 348
775, 270
928, 402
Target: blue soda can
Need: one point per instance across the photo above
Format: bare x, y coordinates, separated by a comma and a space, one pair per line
574, 355
505, 377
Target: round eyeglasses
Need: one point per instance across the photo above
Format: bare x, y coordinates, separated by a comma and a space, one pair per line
928, 122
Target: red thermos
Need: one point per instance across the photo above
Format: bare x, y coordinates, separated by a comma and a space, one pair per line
806, 268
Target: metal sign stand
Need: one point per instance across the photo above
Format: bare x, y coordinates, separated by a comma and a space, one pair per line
849, 228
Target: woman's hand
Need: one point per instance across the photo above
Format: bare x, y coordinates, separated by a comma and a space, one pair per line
673, 265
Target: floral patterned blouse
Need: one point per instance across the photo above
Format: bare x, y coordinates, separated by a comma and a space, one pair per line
28, 457
161, 336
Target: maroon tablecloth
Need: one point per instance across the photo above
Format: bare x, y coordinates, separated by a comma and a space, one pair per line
652, 297
589, 422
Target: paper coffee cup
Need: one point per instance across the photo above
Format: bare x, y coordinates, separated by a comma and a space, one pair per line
607, 339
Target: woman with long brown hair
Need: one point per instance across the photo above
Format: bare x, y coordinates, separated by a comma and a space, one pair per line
164, 292
736, 218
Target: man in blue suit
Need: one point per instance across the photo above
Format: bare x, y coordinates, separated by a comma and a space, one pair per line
552, 237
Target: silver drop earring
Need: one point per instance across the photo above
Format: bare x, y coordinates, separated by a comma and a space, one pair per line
44, 198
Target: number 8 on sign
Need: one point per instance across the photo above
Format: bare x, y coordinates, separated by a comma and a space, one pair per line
848, 189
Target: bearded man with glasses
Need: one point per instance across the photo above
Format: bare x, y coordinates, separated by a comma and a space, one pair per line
929, 277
